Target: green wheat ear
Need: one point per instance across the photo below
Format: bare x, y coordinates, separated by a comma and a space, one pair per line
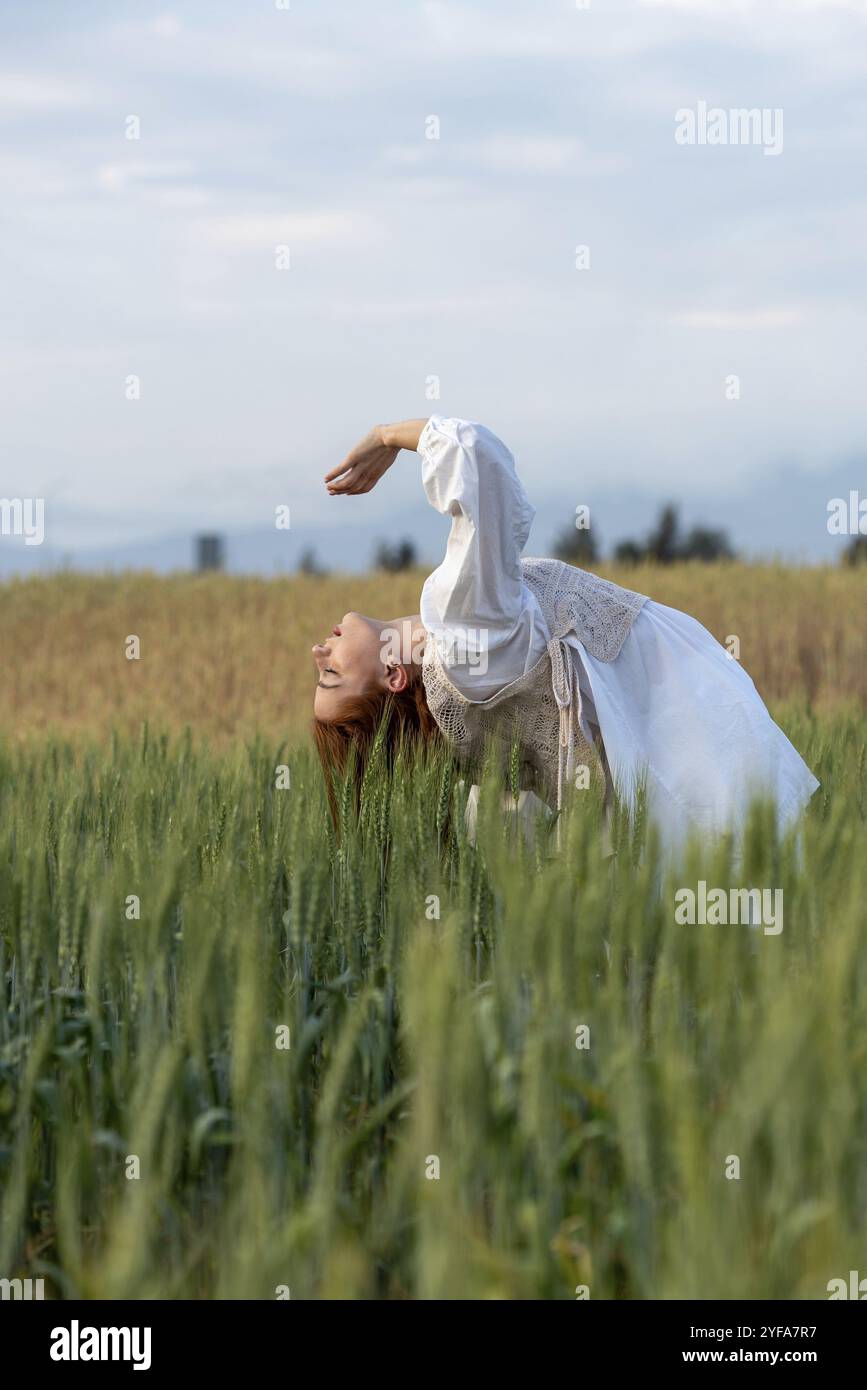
515, 770
444, 796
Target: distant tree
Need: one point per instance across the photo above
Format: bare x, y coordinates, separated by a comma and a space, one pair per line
707, 545
666, 546
629, 553
210, 552
308, 564
577, 546
856, 551
395, 557
663, 543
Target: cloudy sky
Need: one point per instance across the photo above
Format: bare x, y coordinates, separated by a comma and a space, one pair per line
412, 258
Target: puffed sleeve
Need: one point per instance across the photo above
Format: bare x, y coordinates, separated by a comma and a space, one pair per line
476, 598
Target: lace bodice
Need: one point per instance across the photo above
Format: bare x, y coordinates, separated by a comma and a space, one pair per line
541, 710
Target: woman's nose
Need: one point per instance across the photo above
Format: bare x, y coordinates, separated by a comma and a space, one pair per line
320, 650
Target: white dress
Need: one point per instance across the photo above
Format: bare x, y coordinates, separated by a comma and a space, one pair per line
677, 715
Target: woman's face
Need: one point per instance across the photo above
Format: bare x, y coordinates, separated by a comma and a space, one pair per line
350, 662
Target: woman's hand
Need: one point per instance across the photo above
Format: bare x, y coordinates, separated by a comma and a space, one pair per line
364, 465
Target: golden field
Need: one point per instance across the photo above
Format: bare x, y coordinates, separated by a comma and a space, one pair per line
231, 655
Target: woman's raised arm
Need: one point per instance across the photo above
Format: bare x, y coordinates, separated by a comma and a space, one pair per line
469, 475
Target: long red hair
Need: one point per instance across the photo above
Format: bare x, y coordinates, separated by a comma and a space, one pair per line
400, 719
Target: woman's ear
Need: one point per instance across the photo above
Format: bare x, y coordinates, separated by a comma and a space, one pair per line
396, 679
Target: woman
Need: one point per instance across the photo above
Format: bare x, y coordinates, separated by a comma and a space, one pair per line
578, 672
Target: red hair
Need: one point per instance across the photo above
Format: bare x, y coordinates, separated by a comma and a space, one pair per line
391, 719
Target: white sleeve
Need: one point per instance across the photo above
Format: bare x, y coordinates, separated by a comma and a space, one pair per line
487, 623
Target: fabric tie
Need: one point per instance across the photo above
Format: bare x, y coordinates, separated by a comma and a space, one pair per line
563, 682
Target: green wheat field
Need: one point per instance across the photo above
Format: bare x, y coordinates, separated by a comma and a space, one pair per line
243, 1057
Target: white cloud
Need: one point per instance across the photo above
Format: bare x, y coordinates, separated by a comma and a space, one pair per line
167, 26
746, 321
532, 33
494, 301
31, 91
116, 178
211, 50
763, 7
404, 154
183, 199
35, 179
540, 155
514, 152
255, 232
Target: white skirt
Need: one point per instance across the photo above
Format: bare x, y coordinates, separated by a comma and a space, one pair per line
680, 716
